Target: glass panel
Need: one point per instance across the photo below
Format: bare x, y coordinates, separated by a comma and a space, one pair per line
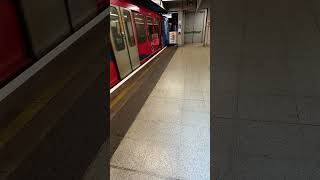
150, 27
128, 24
149, 20
141, 33
116, 29
156, 29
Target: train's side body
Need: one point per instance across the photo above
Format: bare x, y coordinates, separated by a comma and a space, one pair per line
31, 30
135, 34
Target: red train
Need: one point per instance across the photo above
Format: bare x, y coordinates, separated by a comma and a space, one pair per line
27, 32
135, 34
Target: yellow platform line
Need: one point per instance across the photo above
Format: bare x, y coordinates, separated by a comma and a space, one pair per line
125, 90
6, 134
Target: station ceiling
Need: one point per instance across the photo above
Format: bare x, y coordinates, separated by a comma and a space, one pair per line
185, 4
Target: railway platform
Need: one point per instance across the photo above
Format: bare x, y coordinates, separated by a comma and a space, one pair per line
57, 115
168, 137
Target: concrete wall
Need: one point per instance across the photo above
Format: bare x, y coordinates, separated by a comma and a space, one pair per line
206, 38
266, 88
315, 9
181, 35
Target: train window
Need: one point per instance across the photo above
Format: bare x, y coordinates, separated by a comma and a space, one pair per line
116, 29
141, 33
128, 24
150, 27
156, 29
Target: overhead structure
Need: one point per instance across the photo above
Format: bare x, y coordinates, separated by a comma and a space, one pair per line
198, 4
149, 4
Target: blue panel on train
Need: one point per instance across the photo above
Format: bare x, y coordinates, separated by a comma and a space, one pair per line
165, 32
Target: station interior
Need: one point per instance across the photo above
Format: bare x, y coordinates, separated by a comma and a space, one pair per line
159, 90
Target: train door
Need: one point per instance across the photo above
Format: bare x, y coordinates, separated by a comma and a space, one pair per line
156, 35
117, 37
198, 27
130, 39
150, 32
189, 27
143, 44
114, 79
194, 22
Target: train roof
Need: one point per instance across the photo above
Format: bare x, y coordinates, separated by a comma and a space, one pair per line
142, 6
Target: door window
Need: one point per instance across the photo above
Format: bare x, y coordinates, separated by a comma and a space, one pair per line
141, 33
128, 26
116, 29
150, 27
156, 29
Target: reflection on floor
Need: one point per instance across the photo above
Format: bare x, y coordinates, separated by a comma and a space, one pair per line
170, 137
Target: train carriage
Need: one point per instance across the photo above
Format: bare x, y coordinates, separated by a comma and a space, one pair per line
114, 74
135, 34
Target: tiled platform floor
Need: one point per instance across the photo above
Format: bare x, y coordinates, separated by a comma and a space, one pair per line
170, 138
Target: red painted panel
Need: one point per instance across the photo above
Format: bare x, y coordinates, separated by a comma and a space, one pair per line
156, 43
144, 49
114, 79
12, 51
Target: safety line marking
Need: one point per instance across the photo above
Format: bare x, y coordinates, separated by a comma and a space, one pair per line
24, 117
134, 72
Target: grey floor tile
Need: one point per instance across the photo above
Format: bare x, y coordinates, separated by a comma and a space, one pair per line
195, 136
194, 163
266, 169
147, 157
205, 84
193, 94
310, 170
120, 174
193, 82
98, 168
195, 105
156, 131
270, 108
192, 118
167, 83
165, 114
224, 105
272, 140
159, 103
311, 145
309, 110
167, 93
170, 136
258, 150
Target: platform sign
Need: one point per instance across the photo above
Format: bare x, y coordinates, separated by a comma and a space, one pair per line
173, 37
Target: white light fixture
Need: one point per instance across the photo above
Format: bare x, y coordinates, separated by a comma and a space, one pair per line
168, 15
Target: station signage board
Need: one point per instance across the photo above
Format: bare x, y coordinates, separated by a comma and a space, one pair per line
173, 37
